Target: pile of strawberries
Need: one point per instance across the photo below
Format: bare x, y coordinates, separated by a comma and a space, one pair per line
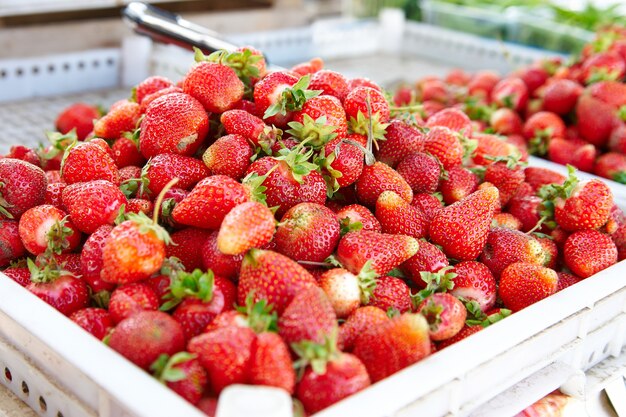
571, 113
291, 229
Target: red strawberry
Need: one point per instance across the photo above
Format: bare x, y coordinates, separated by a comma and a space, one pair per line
421, 171
596, 120
147, 100
445, 315
578, 153
346, 290
362, 82
617, 140
523, 284
143, 337
25, 154
452, 118
91, 259
490, 146
566, 280
506, 246
397, 216
429, 204
140, 205
134, 250
444, 144
254, 129
215, 86
401, 139
248, 225
19, 274
385, 251
457, 76
307, 232
429, 258
79, 116
278, 94
434, 90
174, 123
355, 214
538, 177
377, 178
611, 165
128, 300
320, 120
585, 205
465, 332
357, 103
610, 92
271, 363
46, 226
587, 252
22, 186
482, 83
391, 293
183, 374
506, 178
164, 167
505, 121
229, 155
150, 86
126, 152
309, 316
560, 96
506, 220
11, 246
342, 162
209, 201
122, 117
344, 375
460, 183
330, 83
475, 282
273, 277
540, 129
310, 67
226, 355
93, 204
186, 247
223, 265
603, 66
462, 228
96, 321
360, 321
393, 345
88, 161
510, 92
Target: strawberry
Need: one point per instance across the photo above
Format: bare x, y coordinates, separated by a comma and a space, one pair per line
143, 337
475, 282
577, 153
248, 225
421, 171
93, 204
183, 374
538, 177
587, 252
19, 274
11, 247
126, 152
460, 183
330, 83
510, 92
362, 82
457, 76
147, 100
452, 118
46, 226
462, 228
345, 290
25, 154
89, 161
377, 178
465, 332
596, 120
534, 76
79, 116
229, 155
186, 247
22, 186
342, 376
385, 251
429, 203
271, 363
506, 220
165, 167
523, 284
582, 205
393, 345
57, 287
254, 129
122, 117
96, 321
320, 120
209, 201
566, 280
273, 277
428, 258
611, 165
505, 121
226, 355
507, 177
401, 140
215, 86
227, 266
445, 315
128, 300
174, 123
360, 321
307, 232
208, 405
617, 139
560, 96
363, 104
279, 94
309, 316
482, 83
342, 162
91, 259
140, 205
397, 216
360, 215
506, 246
434, 90
541, 128
490, 146
391, 293
134, 250
150, 86
310, 67
610, 92
603, 66
444, 144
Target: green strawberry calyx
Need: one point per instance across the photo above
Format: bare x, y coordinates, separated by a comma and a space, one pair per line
550, 194
147, 225
293, 98
59, 142
242, 62
348, 225
476, 316
196, 284
367, 278
137, 186
315, 133
261, 316
440, 281
538, 144
57, 236
48, 270
316, 355
164, 367
432, 313
4, 204
297, 159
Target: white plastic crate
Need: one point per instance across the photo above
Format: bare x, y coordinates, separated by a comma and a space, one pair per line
497, 372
